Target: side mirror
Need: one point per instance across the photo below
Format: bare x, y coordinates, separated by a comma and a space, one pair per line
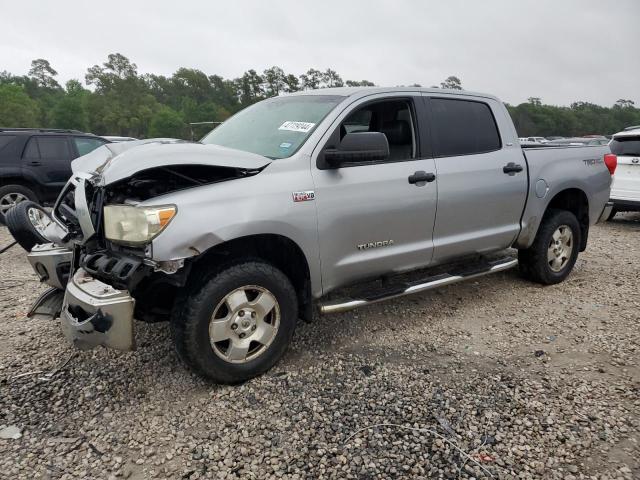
358, 147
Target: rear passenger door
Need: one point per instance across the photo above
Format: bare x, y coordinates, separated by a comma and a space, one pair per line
48, 158
482, 176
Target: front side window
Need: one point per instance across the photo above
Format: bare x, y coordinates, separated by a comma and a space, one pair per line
391, 117
625, 146
85, 145
463, 127
53, 148
275, 128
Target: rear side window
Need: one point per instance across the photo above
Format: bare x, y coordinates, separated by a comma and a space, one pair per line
53, 148
86, 145
625, 146
463, 127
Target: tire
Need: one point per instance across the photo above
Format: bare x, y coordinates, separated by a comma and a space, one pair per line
612, 214
11, 195
549, 264
214, 305
20, 221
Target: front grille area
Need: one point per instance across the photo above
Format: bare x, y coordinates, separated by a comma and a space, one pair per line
117, 269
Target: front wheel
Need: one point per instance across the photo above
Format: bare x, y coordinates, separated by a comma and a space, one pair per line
554, 252
12, 195
236, 324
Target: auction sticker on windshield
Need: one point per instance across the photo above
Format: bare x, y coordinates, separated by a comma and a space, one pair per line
303, 127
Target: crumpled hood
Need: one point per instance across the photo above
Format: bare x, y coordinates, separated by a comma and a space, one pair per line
116, 161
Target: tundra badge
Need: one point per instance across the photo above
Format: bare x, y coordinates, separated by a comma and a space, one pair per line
367, 246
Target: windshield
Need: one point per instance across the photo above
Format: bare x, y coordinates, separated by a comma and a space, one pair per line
625, 146
274, 128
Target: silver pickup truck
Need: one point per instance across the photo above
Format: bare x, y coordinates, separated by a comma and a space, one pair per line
236, 237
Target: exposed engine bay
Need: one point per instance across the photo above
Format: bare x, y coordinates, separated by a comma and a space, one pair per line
158, 181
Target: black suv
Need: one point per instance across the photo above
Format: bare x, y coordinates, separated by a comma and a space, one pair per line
36, 163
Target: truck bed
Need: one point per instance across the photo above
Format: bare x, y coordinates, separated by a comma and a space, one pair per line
552, 169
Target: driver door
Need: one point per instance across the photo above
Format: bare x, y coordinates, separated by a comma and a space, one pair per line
372, 218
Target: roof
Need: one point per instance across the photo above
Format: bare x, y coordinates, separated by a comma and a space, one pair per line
41, 131
627, 133
364, 91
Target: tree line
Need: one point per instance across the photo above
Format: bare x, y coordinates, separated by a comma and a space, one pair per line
121, 101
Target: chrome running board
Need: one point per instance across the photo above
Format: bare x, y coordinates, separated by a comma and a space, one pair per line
420, 286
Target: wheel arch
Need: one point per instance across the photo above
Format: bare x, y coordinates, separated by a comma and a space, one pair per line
277, 250
574, 200
23, 181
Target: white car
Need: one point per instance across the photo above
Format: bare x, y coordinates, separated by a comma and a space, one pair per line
625, 190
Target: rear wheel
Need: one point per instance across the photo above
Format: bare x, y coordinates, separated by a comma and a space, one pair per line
10, 196
237, 324
554, 251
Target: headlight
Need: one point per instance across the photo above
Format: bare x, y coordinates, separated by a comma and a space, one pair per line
136, 225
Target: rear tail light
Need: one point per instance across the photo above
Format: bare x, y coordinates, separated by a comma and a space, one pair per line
611, 161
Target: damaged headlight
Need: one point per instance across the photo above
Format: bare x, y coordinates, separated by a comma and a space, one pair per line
136, 225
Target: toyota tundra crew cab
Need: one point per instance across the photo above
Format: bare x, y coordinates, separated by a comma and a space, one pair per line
290, 201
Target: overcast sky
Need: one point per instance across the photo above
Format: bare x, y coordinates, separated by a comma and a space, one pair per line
559, 50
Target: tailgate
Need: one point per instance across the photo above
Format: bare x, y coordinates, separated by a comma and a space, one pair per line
626, 181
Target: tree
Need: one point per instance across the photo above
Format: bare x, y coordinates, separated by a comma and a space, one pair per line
249, 87
311, 80
622, 103
330, 78
116, 69
361, 83
452, 83
16, 108
71, 109
291, 83
274, 81
166, 123
42, 73
535, 101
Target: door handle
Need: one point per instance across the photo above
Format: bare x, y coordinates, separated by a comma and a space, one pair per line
420, 178
512, 168
35, 164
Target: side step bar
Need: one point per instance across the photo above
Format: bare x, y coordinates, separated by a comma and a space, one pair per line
420, 286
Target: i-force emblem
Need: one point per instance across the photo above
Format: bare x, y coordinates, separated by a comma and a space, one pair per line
304, 196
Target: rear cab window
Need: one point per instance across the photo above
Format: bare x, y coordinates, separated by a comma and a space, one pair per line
463, 127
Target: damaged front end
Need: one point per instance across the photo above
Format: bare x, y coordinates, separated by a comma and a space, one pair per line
104, 262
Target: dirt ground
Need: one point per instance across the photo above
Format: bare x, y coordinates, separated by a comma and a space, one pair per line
496, 377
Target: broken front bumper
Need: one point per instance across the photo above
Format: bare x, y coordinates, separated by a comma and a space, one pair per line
94, 313
51, 263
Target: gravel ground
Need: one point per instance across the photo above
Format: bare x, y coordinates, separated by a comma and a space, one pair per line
493, 378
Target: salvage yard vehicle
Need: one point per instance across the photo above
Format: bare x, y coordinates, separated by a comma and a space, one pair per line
35, 163
235, 238
625, 191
